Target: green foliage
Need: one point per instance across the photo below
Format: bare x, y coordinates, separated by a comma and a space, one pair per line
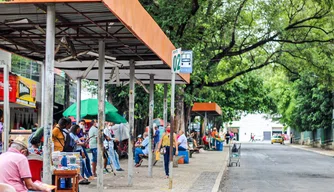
305, 104
233, 38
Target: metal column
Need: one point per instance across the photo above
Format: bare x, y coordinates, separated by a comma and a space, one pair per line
49, 90
165, 104
172, 115
151, 113
101, 115
205, 123
6, 109
131, 122
42, 80
78, 100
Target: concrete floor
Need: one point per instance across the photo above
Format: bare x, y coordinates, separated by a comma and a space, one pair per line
271, 168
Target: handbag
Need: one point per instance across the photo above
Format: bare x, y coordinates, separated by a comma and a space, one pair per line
163, 150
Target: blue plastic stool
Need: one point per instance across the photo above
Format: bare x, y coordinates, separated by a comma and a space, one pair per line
185, 155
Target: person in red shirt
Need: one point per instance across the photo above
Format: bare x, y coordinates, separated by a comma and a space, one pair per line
205, 140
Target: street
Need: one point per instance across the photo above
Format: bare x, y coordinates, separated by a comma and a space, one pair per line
266, 167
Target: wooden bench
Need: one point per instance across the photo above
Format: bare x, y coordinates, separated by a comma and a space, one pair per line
176, 160
191, 151
143, 156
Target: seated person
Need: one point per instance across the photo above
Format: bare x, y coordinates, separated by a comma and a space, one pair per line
35, 146
192, 140
205, 140
139, 141
142, 149
182, 141
15, 169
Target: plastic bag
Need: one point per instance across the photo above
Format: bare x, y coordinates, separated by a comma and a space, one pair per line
157, 155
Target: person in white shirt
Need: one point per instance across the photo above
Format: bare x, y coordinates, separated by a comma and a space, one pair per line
109, 145
93, 133
182, 141
143, 149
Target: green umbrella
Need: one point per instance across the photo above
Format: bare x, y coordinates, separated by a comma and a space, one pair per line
89, 109
115, 117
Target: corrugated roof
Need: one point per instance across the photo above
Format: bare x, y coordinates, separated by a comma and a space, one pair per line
129, 36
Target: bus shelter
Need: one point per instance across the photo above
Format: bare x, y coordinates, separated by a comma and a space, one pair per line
206, 110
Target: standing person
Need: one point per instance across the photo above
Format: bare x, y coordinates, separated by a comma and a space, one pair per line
253, 137
182, 141
15, 169
142, 148
58, 137
291, 136
75, 129
110, 146
156, 136
214, 135
231, 135
83, 137
165, 142
93, 134
227, 137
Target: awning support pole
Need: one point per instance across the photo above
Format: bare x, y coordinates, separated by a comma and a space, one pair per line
6, 109
131, 122
78, 100
172, 123
101, 115
42, 80
49, 91
165, 104
151, 130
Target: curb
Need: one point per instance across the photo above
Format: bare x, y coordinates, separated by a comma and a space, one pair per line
215, 188
310, 150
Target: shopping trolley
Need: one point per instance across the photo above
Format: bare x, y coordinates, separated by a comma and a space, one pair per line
235, 154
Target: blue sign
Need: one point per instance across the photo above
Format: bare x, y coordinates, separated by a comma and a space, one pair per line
186, 62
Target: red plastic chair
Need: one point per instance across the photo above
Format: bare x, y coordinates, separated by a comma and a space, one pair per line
36, 167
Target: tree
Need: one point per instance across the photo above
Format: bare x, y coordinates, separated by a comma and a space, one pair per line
233, 38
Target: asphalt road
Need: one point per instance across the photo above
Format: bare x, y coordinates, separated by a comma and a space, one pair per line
271, 168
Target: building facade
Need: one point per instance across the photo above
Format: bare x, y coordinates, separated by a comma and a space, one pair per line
257, 124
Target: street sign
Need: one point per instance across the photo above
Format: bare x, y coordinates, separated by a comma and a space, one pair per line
186, 62
176, 60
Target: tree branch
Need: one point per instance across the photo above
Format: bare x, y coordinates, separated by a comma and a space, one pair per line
311, 27
305, 41
240, 73
287, 68
194, 9
232, 42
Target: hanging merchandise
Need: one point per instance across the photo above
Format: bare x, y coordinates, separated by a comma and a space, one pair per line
31, 121
15, 122
24, 125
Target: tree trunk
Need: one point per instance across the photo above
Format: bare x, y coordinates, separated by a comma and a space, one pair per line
179, 113
187, 117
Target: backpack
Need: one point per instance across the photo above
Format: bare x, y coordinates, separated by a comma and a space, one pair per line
234, 148
69, 143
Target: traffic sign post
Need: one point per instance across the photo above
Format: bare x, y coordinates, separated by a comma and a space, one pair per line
181, 63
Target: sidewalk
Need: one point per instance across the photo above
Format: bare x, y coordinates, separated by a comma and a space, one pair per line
313, 149
199, 175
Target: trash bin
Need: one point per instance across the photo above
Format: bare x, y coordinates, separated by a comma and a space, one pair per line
219, 146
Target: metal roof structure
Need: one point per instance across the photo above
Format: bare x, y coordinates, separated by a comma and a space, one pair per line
79, 27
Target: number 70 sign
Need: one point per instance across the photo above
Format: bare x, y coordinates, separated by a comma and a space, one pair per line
182, 61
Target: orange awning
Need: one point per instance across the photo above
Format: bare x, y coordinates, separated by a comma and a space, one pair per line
210, 108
